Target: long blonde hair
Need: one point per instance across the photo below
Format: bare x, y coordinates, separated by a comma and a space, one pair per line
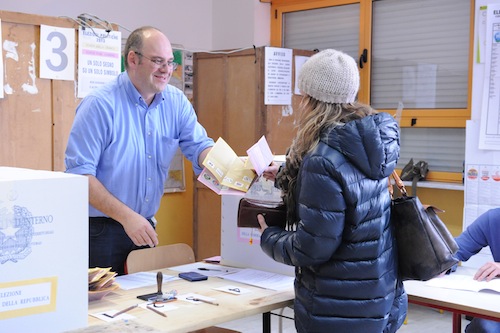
316, 117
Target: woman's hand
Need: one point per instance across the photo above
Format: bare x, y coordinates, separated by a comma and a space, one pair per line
271, 171
262, 222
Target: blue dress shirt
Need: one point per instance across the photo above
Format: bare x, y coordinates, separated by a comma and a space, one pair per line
128, 145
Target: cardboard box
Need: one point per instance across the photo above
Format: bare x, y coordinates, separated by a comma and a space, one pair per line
43, 251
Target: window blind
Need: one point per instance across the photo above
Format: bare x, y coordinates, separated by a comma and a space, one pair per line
442, 148
323, 28
420, 53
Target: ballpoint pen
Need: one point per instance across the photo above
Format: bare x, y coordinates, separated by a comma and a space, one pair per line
203, 300
157, 311
122, 311
208, 269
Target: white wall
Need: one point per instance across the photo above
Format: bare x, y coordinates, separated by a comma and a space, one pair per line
240, 24
195, 24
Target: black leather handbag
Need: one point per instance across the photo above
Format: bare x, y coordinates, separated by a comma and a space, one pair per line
275, 214
426, 247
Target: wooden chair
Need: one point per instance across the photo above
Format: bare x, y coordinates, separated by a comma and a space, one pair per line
159, 257
166, 256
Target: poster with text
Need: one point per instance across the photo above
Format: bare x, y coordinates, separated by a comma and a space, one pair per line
278, 76
99, 54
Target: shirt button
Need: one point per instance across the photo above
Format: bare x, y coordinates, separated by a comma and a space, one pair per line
149, 179
149, 156
149, 133
147, 200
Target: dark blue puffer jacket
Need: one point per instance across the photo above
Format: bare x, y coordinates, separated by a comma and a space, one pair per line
344, 247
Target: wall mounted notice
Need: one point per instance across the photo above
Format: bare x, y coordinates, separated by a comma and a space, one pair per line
278, 76
99, 54
57, 53
490, 116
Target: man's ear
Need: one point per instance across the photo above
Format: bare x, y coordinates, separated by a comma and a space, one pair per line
133, 59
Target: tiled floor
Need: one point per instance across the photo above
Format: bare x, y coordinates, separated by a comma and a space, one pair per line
420, 320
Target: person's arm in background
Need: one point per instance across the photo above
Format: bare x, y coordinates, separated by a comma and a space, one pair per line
488, 271
484, 231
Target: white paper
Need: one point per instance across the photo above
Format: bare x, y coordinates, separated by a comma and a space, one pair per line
262, 279
101, 316
206, 269
464, 282
99, 58
490, 113
193, 298
299, 62
235, 290
278, 76
141, 279
57, 53
482, 176
260, 155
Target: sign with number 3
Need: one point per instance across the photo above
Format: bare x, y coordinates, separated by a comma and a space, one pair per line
57, 53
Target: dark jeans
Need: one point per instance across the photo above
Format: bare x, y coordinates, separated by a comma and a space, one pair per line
109, 245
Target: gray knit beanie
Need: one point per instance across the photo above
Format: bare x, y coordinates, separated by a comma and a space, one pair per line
330, 76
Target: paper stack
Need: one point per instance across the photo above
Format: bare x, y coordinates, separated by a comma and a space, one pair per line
101, 282
227, 173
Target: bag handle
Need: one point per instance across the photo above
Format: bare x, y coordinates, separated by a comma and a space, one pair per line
399, 184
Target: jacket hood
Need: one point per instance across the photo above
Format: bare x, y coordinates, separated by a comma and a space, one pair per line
370, 143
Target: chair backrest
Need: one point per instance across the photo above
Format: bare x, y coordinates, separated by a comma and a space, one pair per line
159, 257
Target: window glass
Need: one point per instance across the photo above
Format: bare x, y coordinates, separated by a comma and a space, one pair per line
323, 28
420, 54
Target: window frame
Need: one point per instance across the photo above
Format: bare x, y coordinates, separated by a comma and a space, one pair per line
424, 118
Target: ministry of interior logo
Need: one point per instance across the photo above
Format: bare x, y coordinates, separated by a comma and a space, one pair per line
16, 232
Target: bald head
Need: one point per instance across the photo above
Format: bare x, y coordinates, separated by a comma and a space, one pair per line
137, 39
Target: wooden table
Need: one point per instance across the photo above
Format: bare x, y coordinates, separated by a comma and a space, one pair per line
188, 316
458, 302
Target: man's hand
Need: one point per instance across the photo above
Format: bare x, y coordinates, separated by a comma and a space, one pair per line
141, 232
137, 227
488, 272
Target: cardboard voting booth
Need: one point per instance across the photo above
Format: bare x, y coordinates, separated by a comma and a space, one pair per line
43, 251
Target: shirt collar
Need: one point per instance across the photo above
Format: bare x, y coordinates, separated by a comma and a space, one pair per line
134, 95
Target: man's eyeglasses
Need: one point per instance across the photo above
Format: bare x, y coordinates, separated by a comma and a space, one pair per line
159, 62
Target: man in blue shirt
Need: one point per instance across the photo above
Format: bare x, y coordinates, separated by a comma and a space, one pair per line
123, 139
484, 231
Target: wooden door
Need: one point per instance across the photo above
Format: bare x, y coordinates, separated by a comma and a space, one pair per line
229, 101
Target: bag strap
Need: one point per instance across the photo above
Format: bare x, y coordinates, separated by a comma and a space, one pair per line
399, 183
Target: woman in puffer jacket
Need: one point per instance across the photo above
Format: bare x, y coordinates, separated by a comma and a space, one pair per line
334, 183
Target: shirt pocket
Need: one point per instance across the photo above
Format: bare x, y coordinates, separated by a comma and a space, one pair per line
166, 152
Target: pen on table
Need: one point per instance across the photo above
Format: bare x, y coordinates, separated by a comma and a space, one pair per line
212, 269
205, 301
122, 311
157, 311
